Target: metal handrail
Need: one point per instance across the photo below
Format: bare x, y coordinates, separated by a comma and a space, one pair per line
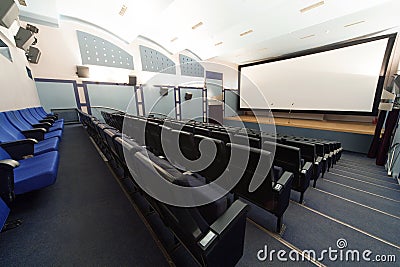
115, 109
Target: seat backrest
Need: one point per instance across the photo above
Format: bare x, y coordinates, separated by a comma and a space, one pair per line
260, 175
16, 120
27, 116
246, 140
221, 135
7, 131
201, 131
218, 163
287, 157
34, 113
307, 150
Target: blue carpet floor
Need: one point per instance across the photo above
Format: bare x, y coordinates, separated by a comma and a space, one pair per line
86, 219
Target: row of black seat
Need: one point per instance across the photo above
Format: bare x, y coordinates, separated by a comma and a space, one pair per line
29, 141
295, 163
213, 233
311, 157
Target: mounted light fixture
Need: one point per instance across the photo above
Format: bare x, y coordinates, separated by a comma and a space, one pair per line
354, 23
246, 32
197, 25
308, 8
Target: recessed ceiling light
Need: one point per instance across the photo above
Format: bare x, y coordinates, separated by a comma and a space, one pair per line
246, 32
308, 8
22, 2
308, 36
174, 39
197, 25
219, 43
354, 23
123, 10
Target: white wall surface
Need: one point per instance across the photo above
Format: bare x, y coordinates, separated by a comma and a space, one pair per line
17, 89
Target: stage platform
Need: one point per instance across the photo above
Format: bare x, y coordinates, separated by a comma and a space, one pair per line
354, 136
336, 126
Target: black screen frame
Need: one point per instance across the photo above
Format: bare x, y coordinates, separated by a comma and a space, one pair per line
378, 92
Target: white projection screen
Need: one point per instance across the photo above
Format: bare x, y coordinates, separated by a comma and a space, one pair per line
339, 80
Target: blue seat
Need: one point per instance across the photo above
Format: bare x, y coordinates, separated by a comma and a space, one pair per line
22, 125
25, 114
42, 112
4, 211
16, 143
39, 116
33, 173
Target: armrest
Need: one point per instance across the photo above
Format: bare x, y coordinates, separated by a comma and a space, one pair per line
318, 161
306, 168
9, 164
37, 133
283, 182
45, 125
20, 148
238, 208
51, 121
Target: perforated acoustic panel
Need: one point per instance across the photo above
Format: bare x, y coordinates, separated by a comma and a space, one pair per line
190, 67
154, 61
97, 51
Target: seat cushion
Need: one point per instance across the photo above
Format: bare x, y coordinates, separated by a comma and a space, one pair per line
49, 135
35, 173
46, 145
210, 212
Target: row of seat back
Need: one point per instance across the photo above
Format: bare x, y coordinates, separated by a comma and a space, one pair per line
191, 151
192, 226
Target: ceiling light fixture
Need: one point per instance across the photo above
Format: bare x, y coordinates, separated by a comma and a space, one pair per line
246, 32
354, 23
174, 39
308, 36
197, 25
123, 10
219, 43
22, 2
308, 8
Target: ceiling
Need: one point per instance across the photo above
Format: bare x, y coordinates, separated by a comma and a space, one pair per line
275, 27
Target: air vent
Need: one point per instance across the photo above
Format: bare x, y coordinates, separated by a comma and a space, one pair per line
246, 32
219, 43
308, 8
123, 10
354, 23
22, 2
197, 25
308, 36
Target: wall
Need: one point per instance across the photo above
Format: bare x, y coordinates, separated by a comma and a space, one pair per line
17, 89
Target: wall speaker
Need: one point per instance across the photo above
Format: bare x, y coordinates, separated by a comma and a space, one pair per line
8, 13
188, 96
82, 71
163, 91
24, 38
132, 80
33, 55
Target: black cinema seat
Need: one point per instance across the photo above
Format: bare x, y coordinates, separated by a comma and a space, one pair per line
218, 162
289, 158
273, 194
212, 233
308, 153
